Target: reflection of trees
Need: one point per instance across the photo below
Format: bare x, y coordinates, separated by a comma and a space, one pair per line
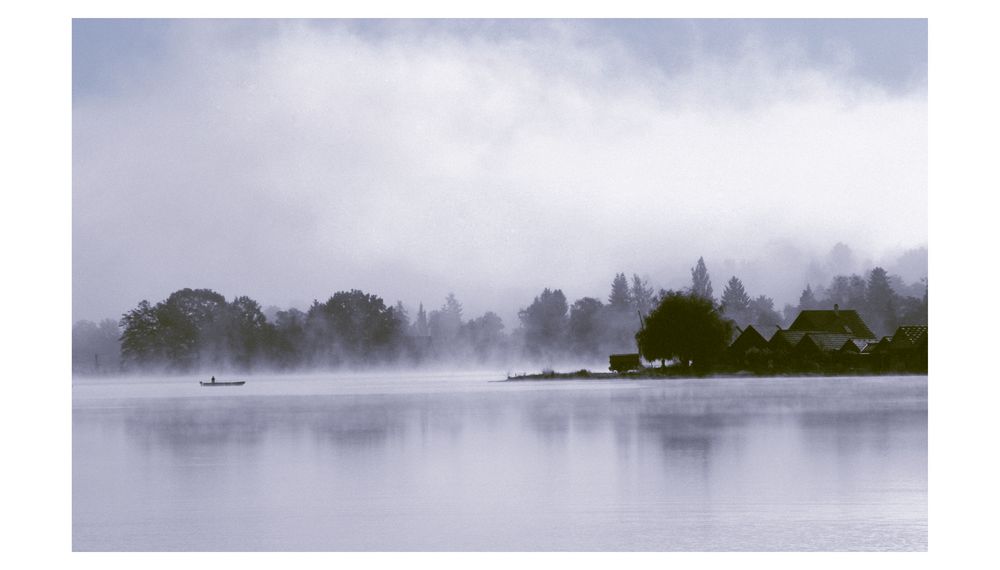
350, 421
357, 425
850, 432
178, 425
682, 434
677, 426
182, 424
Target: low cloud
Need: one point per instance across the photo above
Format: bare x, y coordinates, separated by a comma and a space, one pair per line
292, 164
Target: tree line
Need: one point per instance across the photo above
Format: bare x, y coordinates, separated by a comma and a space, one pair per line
199, 329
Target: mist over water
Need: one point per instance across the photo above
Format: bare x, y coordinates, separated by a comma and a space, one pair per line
347, 214
456, 462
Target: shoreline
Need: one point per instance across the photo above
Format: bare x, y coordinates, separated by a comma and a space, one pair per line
687, 375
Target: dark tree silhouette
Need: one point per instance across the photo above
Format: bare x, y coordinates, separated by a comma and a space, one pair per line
881, 303
142, 343
248, 331
484, 335
849, 292
685, 327
735, 303
762, 312
444, 324
641, 295
619, 317
287, 345
701, 283
420, 327
544, 323
354, 327
620, 298
586, 327
402, 316
807, 300
186, 330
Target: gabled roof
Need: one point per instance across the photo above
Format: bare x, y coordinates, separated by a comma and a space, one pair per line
880, 346
844, 321
786, 337
861, 344
911, 335
749, 338
826, 342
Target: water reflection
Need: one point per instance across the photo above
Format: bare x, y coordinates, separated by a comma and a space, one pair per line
723, 465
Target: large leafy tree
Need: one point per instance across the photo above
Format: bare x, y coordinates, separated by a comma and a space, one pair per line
142, 342
484, 335
686, 327
762, 312
186, 330
354, 326
289, 340
544, 323
848, 292
585, 326
195, 322
248, 332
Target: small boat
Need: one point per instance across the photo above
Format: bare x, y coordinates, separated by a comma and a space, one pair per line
240, 383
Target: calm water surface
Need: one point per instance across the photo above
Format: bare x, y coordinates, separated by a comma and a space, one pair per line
463, 463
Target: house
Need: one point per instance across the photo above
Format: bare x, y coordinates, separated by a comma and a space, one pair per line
824, 343
859, 346
846, 321
785, 340
908, 349
817, 337
910, 336
830, 341
750, 338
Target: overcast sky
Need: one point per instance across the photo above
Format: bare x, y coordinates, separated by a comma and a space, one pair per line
289, 160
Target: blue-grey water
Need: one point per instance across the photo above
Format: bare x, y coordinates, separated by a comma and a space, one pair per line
443, 463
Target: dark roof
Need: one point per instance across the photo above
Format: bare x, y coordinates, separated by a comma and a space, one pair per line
844, 321
827, 342
878, 347
910, 334
749, 338
860, 344
788, 337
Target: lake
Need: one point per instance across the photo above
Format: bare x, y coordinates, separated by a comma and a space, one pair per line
460, 462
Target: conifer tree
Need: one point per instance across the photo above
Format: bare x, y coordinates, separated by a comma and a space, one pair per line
701, 284
420, 325
641, 295
620, 298
735, 303
807, 300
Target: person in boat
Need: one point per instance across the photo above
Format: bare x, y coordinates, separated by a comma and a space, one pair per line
213, 379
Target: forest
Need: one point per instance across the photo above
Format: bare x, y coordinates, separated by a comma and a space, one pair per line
199, 330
